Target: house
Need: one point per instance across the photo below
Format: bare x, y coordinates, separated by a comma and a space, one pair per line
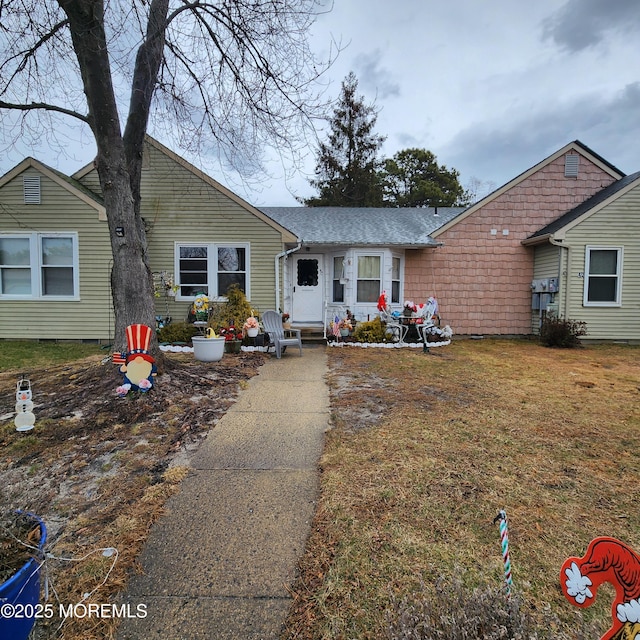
561, 236
487, 262
494, 267
592, 252
55, 252
345, 257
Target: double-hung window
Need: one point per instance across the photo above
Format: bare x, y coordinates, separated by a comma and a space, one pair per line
39, 265
211, 268
603, 276
395, 279
338, 275
369, 278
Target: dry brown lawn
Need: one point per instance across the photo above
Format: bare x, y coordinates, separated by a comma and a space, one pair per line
427, 448
98, 469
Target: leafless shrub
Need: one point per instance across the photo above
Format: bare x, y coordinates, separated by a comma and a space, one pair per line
454, 612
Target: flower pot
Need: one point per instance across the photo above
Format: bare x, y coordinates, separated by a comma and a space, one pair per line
344, 332
20, 590
208, 349
232, 346
253, 332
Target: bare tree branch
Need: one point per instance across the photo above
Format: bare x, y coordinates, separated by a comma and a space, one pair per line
43, 106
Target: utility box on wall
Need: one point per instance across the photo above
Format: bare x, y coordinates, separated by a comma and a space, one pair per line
543, 291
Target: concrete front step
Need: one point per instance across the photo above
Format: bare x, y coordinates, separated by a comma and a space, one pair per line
311, 333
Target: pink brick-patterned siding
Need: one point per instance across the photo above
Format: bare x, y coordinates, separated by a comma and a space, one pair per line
482, 281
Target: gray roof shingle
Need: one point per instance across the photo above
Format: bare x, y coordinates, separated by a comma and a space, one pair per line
359, 226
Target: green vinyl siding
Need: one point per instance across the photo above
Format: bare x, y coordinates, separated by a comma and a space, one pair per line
546, 264
615, 226
179, 207
88, 317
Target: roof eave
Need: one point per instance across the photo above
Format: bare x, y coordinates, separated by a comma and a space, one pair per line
536, 240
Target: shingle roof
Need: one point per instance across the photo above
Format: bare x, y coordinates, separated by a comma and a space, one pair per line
363, 225
586, 206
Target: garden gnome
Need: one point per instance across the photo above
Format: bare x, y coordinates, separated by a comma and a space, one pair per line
139, 367
607, 560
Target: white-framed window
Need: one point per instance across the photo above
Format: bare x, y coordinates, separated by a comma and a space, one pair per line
338, 279
369, 281
395, 279
39, 266
603, 277
211, 268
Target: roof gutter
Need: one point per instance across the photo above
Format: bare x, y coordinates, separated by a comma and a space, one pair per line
283, 254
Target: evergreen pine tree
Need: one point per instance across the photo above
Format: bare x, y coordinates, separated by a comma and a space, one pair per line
348, 165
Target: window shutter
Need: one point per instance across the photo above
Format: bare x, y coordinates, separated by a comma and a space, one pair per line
571, 162
31, 185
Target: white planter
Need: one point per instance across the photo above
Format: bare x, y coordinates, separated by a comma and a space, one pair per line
208, 349
252, 333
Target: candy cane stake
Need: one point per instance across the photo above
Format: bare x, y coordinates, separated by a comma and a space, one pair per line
504, 542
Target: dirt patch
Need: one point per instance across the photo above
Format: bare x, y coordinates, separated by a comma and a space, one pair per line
98, 468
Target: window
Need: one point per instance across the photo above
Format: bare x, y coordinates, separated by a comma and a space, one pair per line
39, 265
307, 272
211, 269
395, 279
368, 288
232, 268
603, 275
338, 275
194, 270
57, 266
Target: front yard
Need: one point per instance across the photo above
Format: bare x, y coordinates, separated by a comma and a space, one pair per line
426, 449
98, 468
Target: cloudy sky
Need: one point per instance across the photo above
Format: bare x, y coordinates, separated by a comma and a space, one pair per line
491, 87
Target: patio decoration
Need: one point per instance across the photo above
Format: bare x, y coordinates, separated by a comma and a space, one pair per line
504, 543
200, 307
139, 368
25, 419
251, 327
606, 560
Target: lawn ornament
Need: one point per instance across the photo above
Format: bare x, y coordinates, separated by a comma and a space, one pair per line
606, 560
25, 419
504, 543
139, 368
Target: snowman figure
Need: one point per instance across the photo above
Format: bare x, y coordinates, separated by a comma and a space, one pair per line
24, 419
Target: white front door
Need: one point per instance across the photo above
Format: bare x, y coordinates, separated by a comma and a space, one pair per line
308, 285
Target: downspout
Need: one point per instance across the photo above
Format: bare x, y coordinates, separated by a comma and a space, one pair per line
283, 254
564, 294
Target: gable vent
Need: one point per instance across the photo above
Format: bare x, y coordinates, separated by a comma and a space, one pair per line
31, 185
571, 162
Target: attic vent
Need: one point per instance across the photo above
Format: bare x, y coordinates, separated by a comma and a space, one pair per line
31, 186
571, 162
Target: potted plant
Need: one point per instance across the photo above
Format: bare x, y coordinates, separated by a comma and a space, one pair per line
208, 348
345, 327
22, 540
251, 327
232, 339
285, 321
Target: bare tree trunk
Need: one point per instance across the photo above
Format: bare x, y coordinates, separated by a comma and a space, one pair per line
131, 280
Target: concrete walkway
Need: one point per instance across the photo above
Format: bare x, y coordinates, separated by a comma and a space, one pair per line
217, 565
